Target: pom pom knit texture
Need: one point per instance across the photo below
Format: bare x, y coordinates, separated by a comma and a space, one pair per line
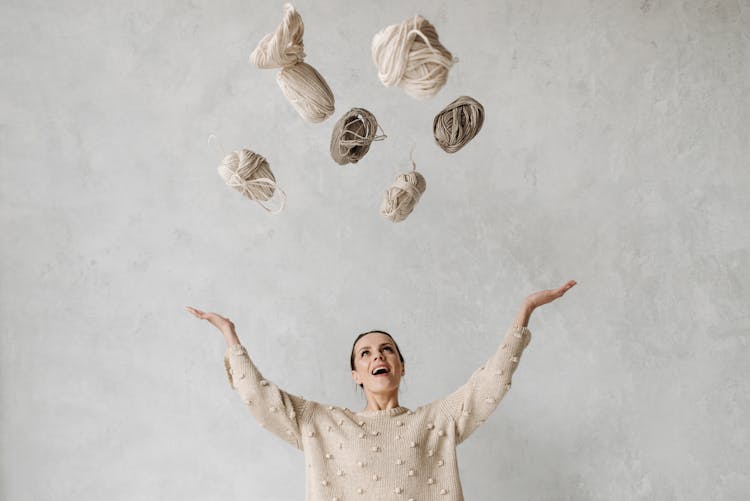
389, 454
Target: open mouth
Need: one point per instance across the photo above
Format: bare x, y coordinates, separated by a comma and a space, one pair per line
380, 371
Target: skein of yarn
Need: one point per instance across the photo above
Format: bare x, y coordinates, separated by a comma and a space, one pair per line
401, 198
283, 47
250, 174
410, 55
308, 92
302, 85
458, 123
352, 136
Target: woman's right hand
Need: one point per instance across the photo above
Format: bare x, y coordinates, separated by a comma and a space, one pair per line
541, 298
224, 325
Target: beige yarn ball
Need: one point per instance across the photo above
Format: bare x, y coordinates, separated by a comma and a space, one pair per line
352, 136
401, 198
308, 92
302, 85
283, 47
250, 174
458, 124
410, 55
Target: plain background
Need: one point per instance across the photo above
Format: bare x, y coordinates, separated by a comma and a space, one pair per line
614, 152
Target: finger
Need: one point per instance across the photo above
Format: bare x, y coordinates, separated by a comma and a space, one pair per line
198, 313
567, 287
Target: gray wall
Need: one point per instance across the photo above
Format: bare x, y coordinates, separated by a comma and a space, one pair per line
615, 152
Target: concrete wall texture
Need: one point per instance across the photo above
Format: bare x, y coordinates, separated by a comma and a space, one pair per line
614, 152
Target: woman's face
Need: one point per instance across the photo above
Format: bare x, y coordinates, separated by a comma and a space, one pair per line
373, 353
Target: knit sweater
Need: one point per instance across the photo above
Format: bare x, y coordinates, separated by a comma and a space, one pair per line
393, 454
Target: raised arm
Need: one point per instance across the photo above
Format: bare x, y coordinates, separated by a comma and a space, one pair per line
472, 403
276, 410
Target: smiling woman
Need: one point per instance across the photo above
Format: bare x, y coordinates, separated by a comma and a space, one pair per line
386, 451
364, 351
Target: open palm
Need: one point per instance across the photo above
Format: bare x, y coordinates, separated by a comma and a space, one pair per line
547, 296
221, 323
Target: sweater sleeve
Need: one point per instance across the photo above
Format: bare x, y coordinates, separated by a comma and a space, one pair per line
470, 405
276, 410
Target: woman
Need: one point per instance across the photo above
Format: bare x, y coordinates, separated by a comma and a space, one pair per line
385, 451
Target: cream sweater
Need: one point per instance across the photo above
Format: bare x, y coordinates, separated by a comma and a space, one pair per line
398, 454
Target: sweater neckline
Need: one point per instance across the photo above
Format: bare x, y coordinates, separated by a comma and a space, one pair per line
393, 411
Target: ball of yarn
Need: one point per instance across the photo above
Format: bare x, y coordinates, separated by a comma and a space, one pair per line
352, 136
401, 198
410, 55
458, 123
307, 91
250, 174
283, 47
302, 85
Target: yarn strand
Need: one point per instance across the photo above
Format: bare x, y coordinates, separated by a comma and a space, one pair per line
243, 187
220, 149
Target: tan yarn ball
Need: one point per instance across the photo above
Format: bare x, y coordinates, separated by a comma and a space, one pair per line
458, 123
401, 198
352, 136
410, 55
248, 173
302, 85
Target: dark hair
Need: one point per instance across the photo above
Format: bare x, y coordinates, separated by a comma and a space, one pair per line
351, 358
